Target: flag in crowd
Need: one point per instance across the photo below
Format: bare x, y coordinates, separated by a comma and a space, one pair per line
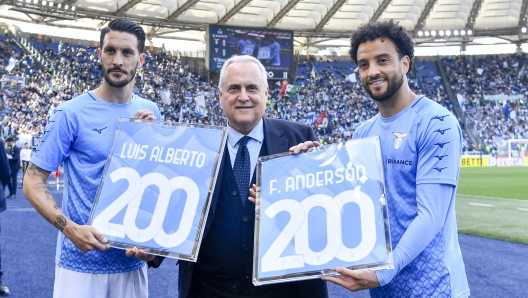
165, 96
351, 78
11, 64
200, 109
291, 89
309, 119
283, 88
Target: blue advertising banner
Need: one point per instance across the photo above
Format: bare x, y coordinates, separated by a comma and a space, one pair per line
157, 185
308, 119
321, 210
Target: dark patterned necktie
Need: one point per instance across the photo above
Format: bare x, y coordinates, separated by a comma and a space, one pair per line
241, 169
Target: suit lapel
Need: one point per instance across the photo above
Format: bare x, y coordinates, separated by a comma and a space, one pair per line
225, 162
273, 138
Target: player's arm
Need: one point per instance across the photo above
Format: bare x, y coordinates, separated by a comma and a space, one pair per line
85, 237
433, 202
411, 244
436, 178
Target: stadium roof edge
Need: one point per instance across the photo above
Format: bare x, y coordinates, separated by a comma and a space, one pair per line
314, 19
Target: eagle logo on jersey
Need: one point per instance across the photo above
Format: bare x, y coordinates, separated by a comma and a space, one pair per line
399, 138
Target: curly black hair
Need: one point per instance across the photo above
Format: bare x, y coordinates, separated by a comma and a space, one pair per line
383, 29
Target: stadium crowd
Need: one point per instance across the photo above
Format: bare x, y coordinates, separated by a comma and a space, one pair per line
479, 83
325, 89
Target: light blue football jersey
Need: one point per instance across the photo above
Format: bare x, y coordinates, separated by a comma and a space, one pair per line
80, 134
421, 145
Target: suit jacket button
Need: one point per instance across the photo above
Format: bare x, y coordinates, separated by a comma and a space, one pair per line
234, 286
244, 218
234, 193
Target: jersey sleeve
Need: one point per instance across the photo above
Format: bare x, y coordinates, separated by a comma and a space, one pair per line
439, 149
432, 214
59, 134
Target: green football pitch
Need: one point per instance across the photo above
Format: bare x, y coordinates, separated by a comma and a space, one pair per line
493, 202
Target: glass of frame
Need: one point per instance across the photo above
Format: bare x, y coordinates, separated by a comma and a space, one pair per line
157, 186
321, 210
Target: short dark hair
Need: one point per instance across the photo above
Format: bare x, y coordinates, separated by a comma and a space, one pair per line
124, 25
10, 139
383, 29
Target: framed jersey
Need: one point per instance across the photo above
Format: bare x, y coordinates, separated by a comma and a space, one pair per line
157, 185
321, 210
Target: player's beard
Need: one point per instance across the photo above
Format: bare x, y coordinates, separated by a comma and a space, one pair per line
129, 76
393, 85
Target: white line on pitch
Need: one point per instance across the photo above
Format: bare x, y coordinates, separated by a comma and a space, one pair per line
490, 198
480, 205
522, 209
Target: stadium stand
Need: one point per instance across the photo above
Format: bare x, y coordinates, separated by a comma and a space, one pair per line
323, 86
431, 82
475, 80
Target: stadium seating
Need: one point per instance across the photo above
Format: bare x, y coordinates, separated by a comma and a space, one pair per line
54, 46
475, 78
39, 46
323, 86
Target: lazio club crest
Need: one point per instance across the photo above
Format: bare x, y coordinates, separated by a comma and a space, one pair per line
399, 138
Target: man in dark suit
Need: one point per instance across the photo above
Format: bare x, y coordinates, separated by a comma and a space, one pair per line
13, 155
4, 179
225, 260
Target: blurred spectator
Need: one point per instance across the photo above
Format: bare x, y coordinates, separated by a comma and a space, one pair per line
13, 156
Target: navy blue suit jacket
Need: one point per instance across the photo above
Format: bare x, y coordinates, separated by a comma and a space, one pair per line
14, 161
279, 136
